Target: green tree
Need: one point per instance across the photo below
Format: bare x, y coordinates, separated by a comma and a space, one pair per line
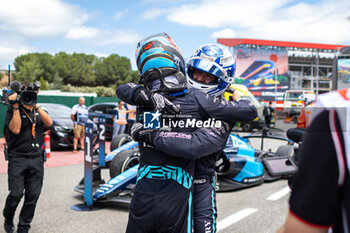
63, 63
57, 81
28, 68
135, 76
113, 70
86, 64
43, 84
76, 69
40, 63
47, 64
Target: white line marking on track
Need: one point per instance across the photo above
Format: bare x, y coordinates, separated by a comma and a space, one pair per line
235, 218
279, 194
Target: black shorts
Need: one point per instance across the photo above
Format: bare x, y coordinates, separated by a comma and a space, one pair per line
166, 212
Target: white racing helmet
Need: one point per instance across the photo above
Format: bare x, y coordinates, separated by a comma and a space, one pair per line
216, 60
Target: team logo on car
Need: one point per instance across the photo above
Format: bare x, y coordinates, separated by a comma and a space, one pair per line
151, 120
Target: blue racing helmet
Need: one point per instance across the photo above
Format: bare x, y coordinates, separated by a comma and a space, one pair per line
158, 57
215, 60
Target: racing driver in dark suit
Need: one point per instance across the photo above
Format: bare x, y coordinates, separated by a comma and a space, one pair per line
163, 196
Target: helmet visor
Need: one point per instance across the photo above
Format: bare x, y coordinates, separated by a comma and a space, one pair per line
209, 67
172, 83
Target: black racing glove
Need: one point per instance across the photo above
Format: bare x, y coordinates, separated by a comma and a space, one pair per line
139, 134
222, 163
145, 98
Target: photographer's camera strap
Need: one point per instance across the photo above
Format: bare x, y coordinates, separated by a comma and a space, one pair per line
33, 121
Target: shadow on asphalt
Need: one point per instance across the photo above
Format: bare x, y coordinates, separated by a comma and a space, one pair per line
105, 205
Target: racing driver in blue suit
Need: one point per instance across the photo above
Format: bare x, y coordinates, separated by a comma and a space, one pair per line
163, 196
201, 77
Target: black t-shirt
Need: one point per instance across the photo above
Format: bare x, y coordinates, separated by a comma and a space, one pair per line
23, 143
267, 111
316, 196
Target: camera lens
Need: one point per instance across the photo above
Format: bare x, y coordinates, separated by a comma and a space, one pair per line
29, 98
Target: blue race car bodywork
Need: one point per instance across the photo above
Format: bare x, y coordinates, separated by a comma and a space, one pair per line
246, 169
128, 146
118, 183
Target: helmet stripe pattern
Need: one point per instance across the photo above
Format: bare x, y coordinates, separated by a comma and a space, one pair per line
215, 60
157, 57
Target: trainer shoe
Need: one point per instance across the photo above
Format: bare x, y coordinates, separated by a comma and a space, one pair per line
9, 227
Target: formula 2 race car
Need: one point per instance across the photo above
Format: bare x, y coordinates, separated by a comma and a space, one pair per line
248, 167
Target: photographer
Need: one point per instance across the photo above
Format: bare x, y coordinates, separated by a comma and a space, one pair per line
24, 125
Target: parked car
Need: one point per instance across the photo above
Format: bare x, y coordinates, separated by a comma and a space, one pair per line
61, 131
106, 109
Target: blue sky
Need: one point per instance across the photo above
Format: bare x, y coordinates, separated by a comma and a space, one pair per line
105, 27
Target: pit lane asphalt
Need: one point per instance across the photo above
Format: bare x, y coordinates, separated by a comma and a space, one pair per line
245, 211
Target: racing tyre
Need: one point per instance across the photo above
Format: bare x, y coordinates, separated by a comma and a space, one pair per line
247, 127
120, 140
123, 161
285, 150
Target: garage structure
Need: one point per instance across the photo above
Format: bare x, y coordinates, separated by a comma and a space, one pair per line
310, 65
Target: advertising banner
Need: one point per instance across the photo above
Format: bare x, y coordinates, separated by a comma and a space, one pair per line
263, 71
343, 73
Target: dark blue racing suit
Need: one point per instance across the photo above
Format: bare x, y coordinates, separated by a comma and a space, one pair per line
195, 147
163, 195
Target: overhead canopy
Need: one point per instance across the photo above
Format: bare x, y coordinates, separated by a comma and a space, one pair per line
287, 44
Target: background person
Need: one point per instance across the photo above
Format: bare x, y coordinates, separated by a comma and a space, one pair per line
79, 117
320, 199
119, 119
268, 113
131, 117
305, 114
24, 136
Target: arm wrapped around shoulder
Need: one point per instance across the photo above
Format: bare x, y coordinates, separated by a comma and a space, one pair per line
145, 98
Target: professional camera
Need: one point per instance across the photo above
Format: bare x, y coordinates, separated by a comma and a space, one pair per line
26, 95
